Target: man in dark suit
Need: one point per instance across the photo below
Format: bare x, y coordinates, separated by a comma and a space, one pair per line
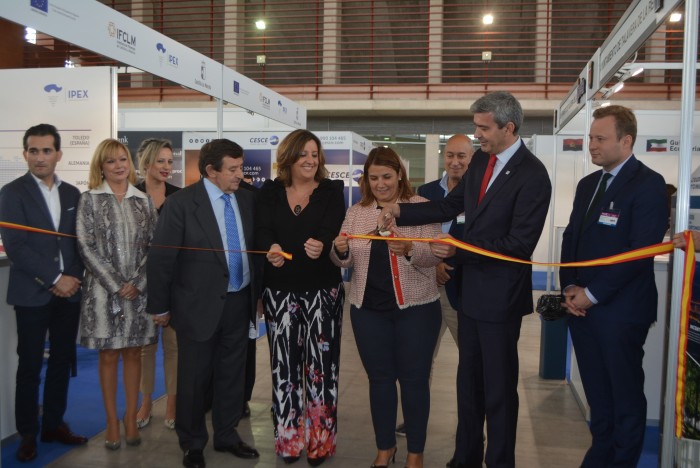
44, 287
505, 198
209, 296
613, 306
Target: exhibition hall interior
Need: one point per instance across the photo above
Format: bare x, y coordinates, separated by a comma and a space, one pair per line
361, 75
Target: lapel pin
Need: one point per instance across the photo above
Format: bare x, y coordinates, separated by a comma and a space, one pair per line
507, 172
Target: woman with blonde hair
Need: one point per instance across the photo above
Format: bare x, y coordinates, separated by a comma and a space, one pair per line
300, 212
155, 157
395, 306
115, 223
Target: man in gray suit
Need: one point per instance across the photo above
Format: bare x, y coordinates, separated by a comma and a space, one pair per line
201, 282
44, 287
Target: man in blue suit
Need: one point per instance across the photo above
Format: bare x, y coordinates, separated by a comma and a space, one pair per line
505, 198
44, 287
617, 209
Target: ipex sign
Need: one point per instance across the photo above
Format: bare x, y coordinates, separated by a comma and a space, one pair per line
173, 61
77, 94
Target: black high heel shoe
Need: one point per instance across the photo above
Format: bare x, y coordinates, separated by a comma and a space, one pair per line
392, 459
316, 461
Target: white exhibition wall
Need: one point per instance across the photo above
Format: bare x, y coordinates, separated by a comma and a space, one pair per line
78, 101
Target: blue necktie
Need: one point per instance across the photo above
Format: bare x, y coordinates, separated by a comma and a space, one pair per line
235, 262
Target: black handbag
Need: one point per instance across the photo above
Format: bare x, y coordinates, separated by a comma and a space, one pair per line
550, 307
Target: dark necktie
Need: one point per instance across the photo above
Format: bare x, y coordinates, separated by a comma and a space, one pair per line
235, 262
487, 176
597, 197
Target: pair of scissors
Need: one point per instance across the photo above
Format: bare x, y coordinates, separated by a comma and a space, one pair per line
383, 229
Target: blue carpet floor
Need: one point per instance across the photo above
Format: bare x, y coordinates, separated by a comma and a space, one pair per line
85, 414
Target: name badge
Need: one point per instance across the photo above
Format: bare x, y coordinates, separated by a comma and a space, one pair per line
460, 219
609, 217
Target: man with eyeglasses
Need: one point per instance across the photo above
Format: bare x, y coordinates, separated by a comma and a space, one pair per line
44, 287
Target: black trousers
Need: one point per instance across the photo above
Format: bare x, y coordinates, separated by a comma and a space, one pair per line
218, 362
399, 346
250, 370
60, 318
610, 359
487, 388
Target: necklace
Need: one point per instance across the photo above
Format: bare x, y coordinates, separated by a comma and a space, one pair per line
297, 206
119, 194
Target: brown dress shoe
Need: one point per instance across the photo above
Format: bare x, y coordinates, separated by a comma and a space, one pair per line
27, 449
63, 435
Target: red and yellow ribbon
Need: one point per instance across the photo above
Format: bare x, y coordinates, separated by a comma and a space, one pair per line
21, 227
686, 293
637, 254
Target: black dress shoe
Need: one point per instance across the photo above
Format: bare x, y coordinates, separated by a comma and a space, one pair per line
316, 461
194, 459
290, 460
246, 410
453, 464
63, 435
27, 449
241, 450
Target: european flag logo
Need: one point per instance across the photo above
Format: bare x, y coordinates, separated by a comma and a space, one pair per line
236, 87
42, 5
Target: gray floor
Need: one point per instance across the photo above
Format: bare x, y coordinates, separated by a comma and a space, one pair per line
551, 430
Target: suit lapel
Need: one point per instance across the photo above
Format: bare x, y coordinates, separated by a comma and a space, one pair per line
587, 194
508, 171
626, 173
204, 212
245, 208
35, 192
66, 204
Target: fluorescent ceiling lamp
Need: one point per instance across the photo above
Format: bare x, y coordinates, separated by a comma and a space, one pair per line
260, 24
675, 17
488, 18
30, 35
636, 71
618, 87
